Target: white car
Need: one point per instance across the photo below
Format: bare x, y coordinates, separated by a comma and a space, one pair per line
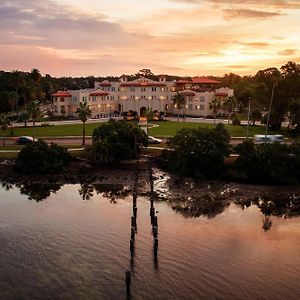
270, 139
153, 140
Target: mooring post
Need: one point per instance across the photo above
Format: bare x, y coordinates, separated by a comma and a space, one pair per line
133, 222
128, 282
135, 213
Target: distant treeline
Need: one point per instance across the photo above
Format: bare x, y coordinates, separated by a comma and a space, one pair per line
17, 89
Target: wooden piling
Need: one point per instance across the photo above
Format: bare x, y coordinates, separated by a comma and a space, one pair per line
128, 282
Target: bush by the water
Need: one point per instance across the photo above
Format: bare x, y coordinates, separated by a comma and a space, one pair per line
115, 141
199, 153
39, 158
270, 163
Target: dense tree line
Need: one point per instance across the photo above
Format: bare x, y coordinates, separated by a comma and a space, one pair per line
18, 89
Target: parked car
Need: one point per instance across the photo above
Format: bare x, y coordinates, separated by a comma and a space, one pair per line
23, 140
153, 140
270, 138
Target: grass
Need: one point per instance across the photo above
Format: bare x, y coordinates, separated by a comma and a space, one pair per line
167, 128
55, 130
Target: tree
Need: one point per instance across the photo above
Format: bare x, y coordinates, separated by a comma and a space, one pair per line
4, 123
84, 112
12, 99
178, 102
256, 115
229, 105
34, 112
215, 105
115, 141
149, 114
39, 158
199, 153
294, 114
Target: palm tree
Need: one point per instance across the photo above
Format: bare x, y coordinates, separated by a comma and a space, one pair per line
215, 105
12, 99
179, 102
4, 123
34, 112
84, 112
149, 114
229, 105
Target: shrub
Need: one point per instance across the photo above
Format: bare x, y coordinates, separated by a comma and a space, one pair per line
199, 153
236, 120
116, 141
39, 158
270, 163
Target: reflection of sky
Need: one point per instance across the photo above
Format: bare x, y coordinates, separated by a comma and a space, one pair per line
84, 243
205, 37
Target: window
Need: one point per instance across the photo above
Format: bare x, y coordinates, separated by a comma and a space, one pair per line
190, 99
55, 99
74, 99
112, 98
143, 97
84, 99
113, 89
201, 106
153, 97
132, 89
143, 89
202, 99
153, 89
190, 106
62, 99
94, 98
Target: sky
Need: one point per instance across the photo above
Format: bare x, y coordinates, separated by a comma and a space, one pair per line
178, 37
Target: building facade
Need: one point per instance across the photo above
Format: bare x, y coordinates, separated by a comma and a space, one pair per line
121, 96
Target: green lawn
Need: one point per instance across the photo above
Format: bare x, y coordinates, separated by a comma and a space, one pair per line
164, 129
57, 130
167, 128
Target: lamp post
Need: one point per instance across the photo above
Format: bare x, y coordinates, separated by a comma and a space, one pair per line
249, 108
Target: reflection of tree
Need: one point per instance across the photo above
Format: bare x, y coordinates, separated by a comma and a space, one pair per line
39, 192
280, 205
112, 191
6, 185
86, 191
267, 223
207, 205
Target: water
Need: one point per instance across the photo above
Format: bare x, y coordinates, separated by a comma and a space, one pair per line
65, 247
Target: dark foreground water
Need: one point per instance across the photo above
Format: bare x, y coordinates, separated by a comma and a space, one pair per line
68, 248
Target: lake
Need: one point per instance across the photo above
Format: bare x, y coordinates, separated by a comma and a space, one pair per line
75, 244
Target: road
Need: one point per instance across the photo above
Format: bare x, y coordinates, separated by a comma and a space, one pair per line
78, 140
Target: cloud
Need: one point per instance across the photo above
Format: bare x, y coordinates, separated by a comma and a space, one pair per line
280, 4
288, 52
44, 23
254, 44
232, 13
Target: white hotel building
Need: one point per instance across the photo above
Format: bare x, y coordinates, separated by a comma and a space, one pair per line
124, 96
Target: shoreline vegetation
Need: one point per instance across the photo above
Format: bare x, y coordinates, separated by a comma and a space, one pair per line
194, 182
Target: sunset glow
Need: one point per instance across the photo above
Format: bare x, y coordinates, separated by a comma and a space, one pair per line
182, 37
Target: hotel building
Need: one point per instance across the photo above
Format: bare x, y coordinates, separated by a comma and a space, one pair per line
108, 97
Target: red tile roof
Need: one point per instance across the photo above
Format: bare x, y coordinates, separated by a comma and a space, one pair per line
61, 94
204, 80
142, 84
221, 94
99, 93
